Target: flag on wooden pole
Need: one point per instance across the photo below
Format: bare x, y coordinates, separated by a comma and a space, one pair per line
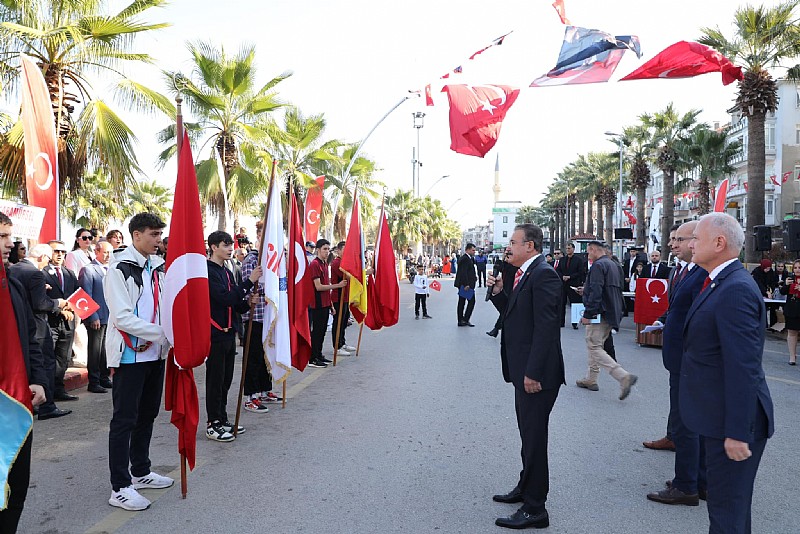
353, 264
384, 289
301, 292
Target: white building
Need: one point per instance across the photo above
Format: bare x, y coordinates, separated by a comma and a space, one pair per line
504, 217
477, 235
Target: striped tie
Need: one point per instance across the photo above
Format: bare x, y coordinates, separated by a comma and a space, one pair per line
517, 278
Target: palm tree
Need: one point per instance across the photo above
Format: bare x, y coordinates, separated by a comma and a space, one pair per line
404, 215
636, 140
152, 197
709, 152
68, 40
221, 93
669, 129
95, 205
763, 38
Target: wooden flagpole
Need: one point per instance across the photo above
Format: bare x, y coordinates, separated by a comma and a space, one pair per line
366, 281
283, 397
253, 306
179, 144
338, 327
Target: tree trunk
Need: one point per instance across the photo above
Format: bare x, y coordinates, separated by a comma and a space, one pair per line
641, 229
581, 216
572, 218
755, 180
590, 216
557, 230
704, 192
667, 209
609, 230
600, 218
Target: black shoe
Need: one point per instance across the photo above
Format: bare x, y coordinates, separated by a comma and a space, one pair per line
426, 316
574, 326
96, 388
511, 497
65, 397
522, 519
106, 384
467, 323
58, 412
493, 332
702, 493
674, 496
326, 360
317, 363
416, 317
462, 323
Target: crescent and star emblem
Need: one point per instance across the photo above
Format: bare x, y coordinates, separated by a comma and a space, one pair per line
84, 306
655, 298
300, 257
30, 171
486, 104
312, 217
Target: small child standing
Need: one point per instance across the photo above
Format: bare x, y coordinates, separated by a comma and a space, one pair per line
422, 292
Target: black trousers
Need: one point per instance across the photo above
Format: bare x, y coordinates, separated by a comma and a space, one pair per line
608, 346
96, 361
49, 358
219, 375
481, 268
256, 377
420, 299
18, 479
533, 419
345, 316
319, 324
463, 316
62, 346
136, 393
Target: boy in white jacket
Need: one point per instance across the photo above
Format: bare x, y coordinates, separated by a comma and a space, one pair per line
422, 292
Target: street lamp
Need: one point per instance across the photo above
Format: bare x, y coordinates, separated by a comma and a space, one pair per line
419, 122
436, 182
453, 204
619, 200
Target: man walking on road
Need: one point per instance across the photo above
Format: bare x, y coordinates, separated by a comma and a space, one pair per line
465, 282
723, 392
602, 298
530, 350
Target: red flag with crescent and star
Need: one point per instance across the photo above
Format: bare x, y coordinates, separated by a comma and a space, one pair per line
435, 285
651, 300
300, 291
186, 310
383, 291
41, 153
686, 59
313, 209
476, 115
83, 304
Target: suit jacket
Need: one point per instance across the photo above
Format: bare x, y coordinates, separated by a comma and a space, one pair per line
32, 281
465, 272
602, 294
26, 327
629, 265
91, 280
55, 292
530, 344
722, 379
680, 300
662, 271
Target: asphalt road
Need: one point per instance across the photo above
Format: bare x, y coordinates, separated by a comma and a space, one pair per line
414, 435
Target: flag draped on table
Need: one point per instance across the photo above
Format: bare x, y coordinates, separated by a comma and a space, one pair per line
16, 418
476, 116
300, 293
685, 59
721, 196
275, 334
588, 56
186, 310
651, 300
314, 209
353, 264
41, 152
383, 288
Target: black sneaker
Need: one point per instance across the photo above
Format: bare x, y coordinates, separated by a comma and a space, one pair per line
326, 360
317, 363
216, 432
228, 426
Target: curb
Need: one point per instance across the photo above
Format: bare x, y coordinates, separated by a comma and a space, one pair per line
76, 378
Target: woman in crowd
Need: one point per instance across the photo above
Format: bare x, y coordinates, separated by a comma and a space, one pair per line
18, 252
791, 310
81, 253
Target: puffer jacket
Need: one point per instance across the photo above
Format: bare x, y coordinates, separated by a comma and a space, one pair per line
122, 287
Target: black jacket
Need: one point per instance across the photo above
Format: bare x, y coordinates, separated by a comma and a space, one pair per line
33, 283
602, 293
227, 299
55, 292
26, 328
662, 271
574, 267
766, 280
465, 273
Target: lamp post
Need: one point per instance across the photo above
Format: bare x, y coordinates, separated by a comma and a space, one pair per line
619, 200
436, 182
419, 122
453, 204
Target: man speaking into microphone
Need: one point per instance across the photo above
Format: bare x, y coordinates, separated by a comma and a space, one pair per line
530, 353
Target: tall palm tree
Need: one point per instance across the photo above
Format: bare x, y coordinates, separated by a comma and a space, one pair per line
150, 196
669, 129
223, 97
95, 205
404, 214
763, 38
69, 41
636, 142
708, 151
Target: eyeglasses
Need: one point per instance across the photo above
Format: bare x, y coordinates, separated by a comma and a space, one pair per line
59, 251
86, 237
682, 239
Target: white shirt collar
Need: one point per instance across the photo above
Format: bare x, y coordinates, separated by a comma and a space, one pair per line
524, 266
713, 274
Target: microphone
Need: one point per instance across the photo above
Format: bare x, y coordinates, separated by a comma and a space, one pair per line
495, 272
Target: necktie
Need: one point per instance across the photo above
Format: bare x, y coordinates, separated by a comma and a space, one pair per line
60, 278
705, 284
678, 272
556, 265
517, 278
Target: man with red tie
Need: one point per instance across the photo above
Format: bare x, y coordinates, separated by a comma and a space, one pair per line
656, 268
62, 283
723, 392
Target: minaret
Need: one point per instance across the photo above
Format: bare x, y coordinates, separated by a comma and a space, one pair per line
496, 187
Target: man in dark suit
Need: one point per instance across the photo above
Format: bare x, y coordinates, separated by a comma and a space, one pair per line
572, 270
91, 280
635, 255
19, 474
28, 273
689, 483
465, 281
63, 283
723, 391
656, 268
530, 351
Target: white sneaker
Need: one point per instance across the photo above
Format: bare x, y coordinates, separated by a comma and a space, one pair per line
152, 481
129, 499
215, 431
342, 352
349, 348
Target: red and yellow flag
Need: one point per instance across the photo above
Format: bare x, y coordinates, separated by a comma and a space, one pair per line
354, 264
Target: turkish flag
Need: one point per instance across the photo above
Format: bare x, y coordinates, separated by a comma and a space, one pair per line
383, 290
300, 290
686, 59
186, 310
476, 115
41, 153
721, 196
435, 285
428, 97
313, 209
83, 304
651, 300
785, 176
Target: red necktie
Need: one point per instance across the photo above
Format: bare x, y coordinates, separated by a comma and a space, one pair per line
705, 284
653, 274
678, 272
517, 278
60, 279
556, 265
